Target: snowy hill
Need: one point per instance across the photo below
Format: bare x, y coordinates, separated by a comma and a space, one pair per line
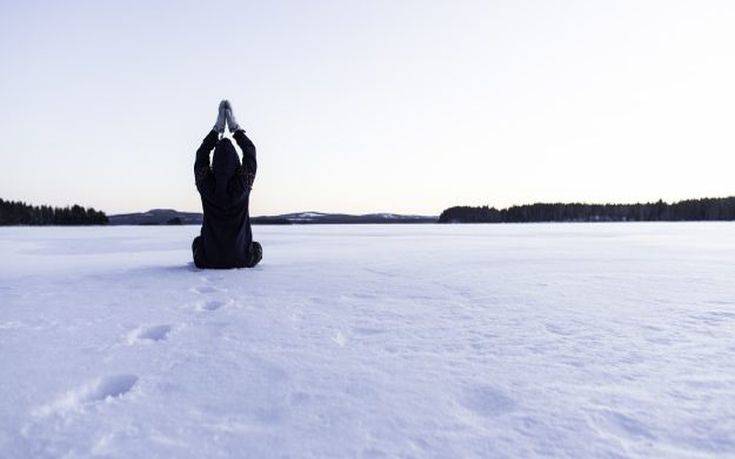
587, 340
157, 217
324, 218
170, 216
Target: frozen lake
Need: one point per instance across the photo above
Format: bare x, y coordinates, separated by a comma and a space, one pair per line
413, 341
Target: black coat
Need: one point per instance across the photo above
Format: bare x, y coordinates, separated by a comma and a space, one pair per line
225, 191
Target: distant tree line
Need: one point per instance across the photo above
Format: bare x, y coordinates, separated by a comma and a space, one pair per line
688, 210
20, 213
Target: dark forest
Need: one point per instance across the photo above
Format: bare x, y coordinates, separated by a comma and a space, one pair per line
707, 209
20, 213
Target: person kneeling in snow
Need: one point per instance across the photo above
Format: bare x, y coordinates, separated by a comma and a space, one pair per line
226, 240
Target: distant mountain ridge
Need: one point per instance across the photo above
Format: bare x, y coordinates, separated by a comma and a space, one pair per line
174, 217
157, 217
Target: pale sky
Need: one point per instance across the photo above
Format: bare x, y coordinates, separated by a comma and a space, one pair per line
367, 106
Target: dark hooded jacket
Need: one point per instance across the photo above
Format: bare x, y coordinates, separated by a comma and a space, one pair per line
225, 191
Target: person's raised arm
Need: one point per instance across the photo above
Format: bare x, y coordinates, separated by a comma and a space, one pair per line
249, 162
202, 170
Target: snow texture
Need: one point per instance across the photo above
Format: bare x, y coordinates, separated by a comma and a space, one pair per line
585, 340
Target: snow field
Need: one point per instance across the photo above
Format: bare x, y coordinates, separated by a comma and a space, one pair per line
601, 340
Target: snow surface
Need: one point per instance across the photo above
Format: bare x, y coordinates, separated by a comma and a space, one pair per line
371, 340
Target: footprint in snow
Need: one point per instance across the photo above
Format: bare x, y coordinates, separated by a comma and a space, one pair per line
97, 391
111, 386
488, 401
153, 333
211, 305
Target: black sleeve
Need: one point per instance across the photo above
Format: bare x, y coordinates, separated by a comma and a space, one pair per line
249, 163
202, 170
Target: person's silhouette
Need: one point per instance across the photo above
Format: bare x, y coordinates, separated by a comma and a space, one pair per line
226, 240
